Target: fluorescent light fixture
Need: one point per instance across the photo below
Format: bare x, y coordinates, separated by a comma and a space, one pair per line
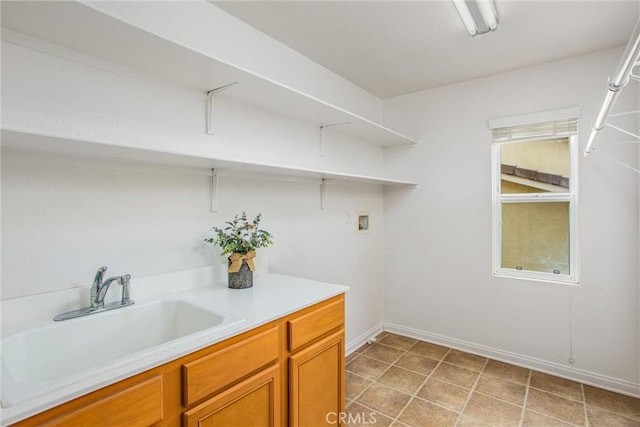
479, 16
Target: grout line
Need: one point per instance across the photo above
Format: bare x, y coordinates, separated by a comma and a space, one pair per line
564, 396
406, 405
413, 396
554, 418
526, 397
631, 417
471, 391
410, 396
440, 405
356, 355
355, 399
377, 411
498, 399
584, 403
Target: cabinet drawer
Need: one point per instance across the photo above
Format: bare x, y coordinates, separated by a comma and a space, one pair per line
139, 405
211, 373
310, 326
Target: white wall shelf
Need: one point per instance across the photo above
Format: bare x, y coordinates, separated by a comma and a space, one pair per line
115, 42
25, 142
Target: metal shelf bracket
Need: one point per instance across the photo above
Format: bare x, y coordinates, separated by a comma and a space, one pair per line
322, 128
210, 97
323, 189
213, 190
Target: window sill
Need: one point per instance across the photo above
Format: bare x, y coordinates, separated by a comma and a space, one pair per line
562, 280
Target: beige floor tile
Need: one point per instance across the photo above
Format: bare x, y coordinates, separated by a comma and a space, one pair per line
384, 399
560, 386
427, 349
355, 385
383, 352
444, 394
362, 348
492, 411
367, 367
402, 379
551, 401
357, 415
466, 360
506, 371
599, 417
417, 363
556, 406
534, 419
502, 389
467, 421
398, 341
352, 356
613, 402
420, 413
457, 375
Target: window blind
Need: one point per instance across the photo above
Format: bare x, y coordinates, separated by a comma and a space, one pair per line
552, 129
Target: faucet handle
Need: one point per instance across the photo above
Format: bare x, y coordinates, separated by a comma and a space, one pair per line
97, 281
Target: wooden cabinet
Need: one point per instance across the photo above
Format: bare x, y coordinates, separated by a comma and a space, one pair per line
253, 402
316, 382
287, 372
315, 359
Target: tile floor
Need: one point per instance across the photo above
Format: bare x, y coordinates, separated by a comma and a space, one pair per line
399, 381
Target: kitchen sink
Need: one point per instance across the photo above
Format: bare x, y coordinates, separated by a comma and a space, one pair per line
42, 358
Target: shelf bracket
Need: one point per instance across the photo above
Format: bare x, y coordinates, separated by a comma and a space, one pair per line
323, 188
210, 96
322, 128
213, 190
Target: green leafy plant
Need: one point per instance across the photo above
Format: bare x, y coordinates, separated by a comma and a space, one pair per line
240, 235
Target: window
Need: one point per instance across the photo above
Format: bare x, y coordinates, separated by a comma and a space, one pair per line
534, 195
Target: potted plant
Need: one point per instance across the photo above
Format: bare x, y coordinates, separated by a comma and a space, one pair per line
241, 238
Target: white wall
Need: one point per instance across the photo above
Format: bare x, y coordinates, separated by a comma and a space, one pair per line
438, 281
62, 217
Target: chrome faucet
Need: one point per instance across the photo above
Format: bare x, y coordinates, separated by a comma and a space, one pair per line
97, 293
99, 288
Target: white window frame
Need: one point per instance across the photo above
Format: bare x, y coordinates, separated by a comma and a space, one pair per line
571, 196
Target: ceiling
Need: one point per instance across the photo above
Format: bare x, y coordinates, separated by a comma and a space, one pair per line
392, 48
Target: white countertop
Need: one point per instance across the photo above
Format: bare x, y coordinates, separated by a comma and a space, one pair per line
272, 296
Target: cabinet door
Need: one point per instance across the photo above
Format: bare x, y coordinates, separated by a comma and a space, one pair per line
316, 383
254, 402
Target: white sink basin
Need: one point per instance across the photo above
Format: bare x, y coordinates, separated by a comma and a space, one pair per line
40, 359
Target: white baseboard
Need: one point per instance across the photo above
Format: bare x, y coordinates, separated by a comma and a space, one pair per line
597, 380
362, 339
